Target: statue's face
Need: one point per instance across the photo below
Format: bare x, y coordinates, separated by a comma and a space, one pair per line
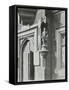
44, 19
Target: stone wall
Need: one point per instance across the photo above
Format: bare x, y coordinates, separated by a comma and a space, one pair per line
60, 30
56, 21
40, 13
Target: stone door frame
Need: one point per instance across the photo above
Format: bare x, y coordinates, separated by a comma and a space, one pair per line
23, 37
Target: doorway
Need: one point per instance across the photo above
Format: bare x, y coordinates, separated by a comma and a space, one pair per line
27, 58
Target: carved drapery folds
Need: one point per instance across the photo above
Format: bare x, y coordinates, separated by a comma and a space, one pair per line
44, 33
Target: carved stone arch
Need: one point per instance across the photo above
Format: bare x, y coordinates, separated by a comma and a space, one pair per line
24, 42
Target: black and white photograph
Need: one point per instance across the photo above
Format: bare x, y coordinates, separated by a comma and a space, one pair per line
34, 44
41, 49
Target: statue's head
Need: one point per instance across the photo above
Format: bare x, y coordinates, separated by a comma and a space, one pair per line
43, 19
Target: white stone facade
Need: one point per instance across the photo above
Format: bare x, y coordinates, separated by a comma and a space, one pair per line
35, 64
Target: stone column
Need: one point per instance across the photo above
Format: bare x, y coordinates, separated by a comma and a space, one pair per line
51, 61
43, 59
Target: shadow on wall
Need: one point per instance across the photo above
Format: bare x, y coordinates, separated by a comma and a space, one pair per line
51, 59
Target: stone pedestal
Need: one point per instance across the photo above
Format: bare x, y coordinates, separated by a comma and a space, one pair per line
43, 59
40, 69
